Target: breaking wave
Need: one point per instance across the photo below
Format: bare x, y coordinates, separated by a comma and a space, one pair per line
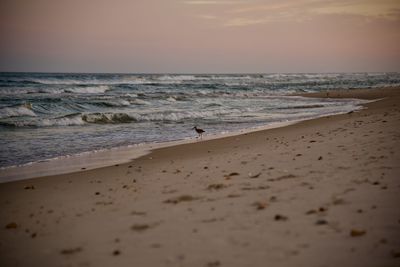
17, 111
107, 118
88, 89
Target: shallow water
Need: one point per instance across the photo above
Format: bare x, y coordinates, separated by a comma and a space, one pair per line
44, 116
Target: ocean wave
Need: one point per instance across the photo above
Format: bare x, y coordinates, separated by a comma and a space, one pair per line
88, 89
14, 91
140, 102
113, 103
62, 121
107, 118
76, 119
16, 111
171, 99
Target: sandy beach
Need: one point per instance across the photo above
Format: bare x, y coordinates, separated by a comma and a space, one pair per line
322, 192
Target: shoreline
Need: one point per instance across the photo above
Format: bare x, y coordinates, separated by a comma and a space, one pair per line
90, 160
321, 192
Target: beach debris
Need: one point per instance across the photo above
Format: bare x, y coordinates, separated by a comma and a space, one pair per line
395, 254
213, 220
138, 213
214, 264
273, 198
260, 205
97, 193
254, 175
29, 187
321, 222
229, 176
320, 158
216, 186
279, 217
283, 177
33, 235
70, 251
140, 227
116, 252
104, 203
11, 225
183, 198
261, 187
356, 232
234, 195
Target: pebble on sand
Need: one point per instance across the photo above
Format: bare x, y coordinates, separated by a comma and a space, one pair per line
216, 186
29, 187
140, 227
279, 217
214, 264
260, 205
321, 222
179, 199
395, 254
11, 225
254, 175
69, 251
356, 232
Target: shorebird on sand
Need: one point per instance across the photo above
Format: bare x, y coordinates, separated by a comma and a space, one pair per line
199, 131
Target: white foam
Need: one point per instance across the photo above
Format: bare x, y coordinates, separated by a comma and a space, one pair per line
66, 121
88, 89
140, 102
16, 112
177, 116
171, 99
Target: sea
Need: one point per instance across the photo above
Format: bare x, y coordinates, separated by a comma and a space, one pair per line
44, 116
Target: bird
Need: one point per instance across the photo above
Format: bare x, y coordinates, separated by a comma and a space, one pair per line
199, 131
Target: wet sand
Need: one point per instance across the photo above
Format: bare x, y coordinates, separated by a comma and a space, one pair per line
323, 192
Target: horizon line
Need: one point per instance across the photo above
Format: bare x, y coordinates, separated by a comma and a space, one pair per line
199, 73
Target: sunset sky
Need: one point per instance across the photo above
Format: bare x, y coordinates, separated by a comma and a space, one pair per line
200, 36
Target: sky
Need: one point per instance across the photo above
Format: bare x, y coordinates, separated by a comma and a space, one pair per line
200, 36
